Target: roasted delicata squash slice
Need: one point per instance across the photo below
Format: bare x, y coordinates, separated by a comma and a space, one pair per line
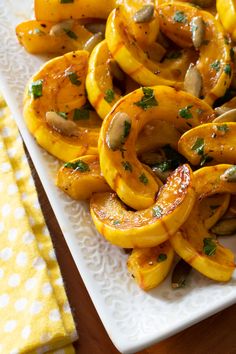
150, 266
120, 130
101, 92
187, 25
135, 60
227, 13
55, 108
213, 208
149, 227
39, 37
80, 178
55, 11
193, 242
212, 141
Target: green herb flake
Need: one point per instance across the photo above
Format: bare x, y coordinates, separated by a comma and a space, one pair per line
127, 127
109, 95
223, 128
78, 165
204, 159
81, 114
66, 1
161, 257
116, 222
148, 100
209, 246
36, 88
227, 69
198, 146
215, 65
62, 114
179, 17
73, 77
185, 112
70, 33
127, 166
143, 178
164, 166
174, 54
157, 211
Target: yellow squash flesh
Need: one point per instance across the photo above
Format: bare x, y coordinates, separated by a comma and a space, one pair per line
53, 10
134, 60
188, 242
35, 37
130, 187
218, 141
59, 94
99, 80
213, 208
214, 62
149, 227
227, 13
79, 184
146, 266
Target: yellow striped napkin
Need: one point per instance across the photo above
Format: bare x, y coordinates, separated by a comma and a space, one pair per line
35, 315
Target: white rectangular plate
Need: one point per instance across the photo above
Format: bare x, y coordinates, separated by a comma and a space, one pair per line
133, 319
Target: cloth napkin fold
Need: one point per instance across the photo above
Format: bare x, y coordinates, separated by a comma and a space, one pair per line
35, 316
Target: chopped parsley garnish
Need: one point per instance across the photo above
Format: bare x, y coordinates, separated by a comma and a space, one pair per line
116, 222
204, 159
109, 95
215, 65
143, 178
161, 257
36, 88
198, 146
73, 78
127, 127
81, 113
78, 165
185, 112
66, 1
148, 100
164, 166
227, 69
223, 128
209, 246
174, 54
70, 33
180, 17
127, 166
62, 114
157, 211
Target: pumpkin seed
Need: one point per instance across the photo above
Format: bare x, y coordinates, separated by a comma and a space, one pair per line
96, 28
229, 175
145, 14
93, 41
118, 131
193, 81
221, 110
225, 227
229, 116
59, 28
116, 70
179, 275
61, 125
198, 31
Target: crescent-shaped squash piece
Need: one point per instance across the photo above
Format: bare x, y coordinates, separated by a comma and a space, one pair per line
193, 242
59, 87
151, 226
138, 188
80, 178
212, 141
227, 13
150, 266
55, 11
214, 62
134, 60
36, 38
